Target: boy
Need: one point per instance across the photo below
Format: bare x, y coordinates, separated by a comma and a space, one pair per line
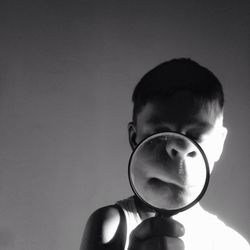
180, 96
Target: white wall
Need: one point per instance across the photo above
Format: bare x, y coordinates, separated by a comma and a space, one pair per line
67, 73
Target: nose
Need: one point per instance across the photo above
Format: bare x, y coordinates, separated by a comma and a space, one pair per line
179, 148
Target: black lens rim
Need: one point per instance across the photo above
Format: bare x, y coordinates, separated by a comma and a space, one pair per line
171, 212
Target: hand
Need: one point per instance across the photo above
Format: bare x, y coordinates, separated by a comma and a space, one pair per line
157, 233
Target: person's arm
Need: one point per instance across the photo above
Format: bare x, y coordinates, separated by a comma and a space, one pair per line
105, 229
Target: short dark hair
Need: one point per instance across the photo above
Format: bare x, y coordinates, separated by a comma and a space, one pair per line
182, 74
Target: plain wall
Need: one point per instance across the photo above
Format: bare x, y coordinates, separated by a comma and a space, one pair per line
68, 69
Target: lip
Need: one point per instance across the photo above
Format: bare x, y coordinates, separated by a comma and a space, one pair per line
170, 183
165, 184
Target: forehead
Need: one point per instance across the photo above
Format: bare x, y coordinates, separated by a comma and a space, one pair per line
180, 110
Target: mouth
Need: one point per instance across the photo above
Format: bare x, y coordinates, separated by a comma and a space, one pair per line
173, 186
160, 183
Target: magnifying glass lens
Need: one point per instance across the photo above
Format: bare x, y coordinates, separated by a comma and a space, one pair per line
169, 172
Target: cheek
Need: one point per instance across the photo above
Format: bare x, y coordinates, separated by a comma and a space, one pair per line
141, 135
210, 151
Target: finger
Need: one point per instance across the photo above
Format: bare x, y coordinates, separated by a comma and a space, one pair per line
158, 226
158, 243
172, 243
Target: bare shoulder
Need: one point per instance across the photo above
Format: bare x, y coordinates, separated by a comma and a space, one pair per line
101, 228
108, 219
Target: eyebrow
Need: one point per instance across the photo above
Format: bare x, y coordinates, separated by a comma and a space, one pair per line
193, 124
154, 120
197, 123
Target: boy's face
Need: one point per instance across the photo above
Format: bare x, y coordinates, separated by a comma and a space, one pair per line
180, 113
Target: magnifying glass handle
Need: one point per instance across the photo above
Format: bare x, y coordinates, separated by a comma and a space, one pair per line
164, 214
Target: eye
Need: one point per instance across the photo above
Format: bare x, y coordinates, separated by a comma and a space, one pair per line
162, 130
197, 137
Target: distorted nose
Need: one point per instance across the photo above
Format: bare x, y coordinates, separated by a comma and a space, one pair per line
179, 148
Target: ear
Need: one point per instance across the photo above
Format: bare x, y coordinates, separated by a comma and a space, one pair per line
132, 135
222, 134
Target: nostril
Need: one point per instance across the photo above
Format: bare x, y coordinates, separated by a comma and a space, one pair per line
192, 154
174, 152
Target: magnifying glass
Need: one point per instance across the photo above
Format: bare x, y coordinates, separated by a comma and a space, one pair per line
168, 172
